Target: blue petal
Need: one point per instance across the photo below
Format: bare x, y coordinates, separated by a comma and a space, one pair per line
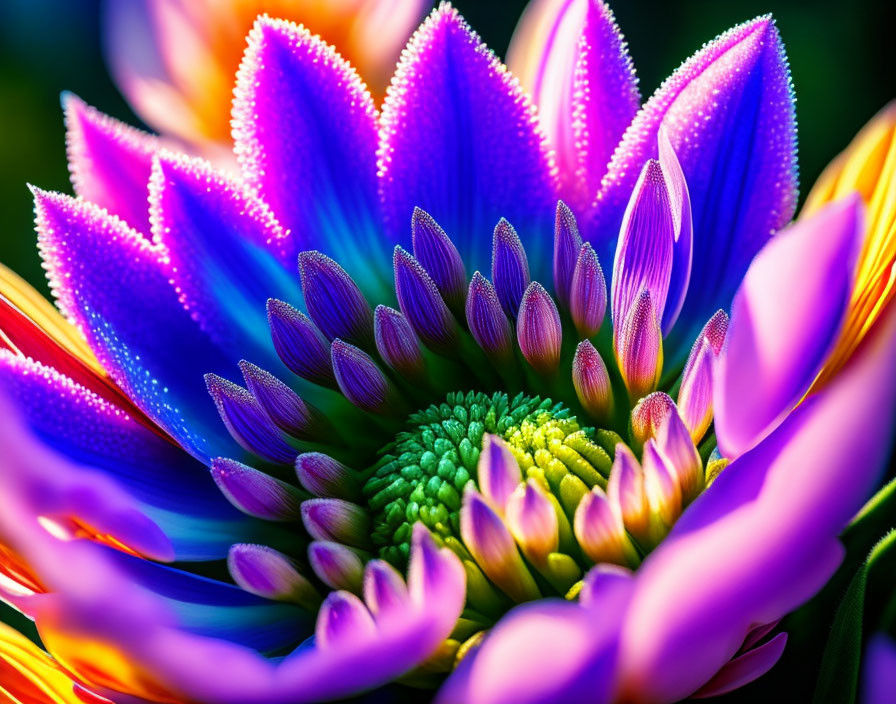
460, 140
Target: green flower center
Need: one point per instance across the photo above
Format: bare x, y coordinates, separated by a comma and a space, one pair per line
421, 475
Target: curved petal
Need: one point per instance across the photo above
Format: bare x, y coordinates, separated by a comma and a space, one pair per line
115, 286
27, 674
785, 318
304, 123
109, 161
224, 248
729, 115
460, 140
550, 651
572, 59
763, 537
173, 489
744, 668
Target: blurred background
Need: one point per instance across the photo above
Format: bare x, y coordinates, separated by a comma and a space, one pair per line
842, 57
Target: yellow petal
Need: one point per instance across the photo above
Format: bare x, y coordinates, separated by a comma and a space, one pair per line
29, 676
868, 166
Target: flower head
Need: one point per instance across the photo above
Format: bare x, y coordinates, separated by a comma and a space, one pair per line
459, 393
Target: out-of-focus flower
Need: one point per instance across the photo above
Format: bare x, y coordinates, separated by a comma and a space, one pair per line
436, 486
174, 60
867, 167
879, 685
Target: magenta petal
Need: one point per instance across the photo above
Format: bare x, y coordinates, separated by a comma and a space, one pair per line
644, 251
572, 59
683, 227
729, 115
460, 140
304, 123
784, 320
109, 161
744, 668
751, 548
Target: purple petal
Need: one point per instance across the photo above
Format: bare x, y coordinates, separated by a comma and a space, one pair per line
572, 58
334, 300
299, 344
336, 520
115, 285
452, 98
397, 343
384, 590
784, 320
551, 651
343, 620
109, 161
510, 268
538, 330
336, 565
498, 471
592, 382
639, 350
325, 477
304, 123
644, 252
422, 305
588, 293
697, 380
744, 668
567, 243
256, 493
284, 406
750, 549
438, 255
247, 422
263, 571
729, 115
360, 379
486, 319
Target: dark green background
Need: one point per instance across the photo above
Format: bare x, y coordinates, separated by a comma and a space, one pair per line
842, 56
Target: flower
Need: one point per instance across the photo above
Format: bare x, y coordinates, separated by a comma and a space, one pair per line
174, 59
440, 440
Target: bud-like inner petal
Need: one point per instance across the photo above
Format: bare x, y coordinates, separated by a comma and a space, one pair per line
532, 520
285, 407
592, 382
648, 416
343, 621
327, 478
644, 251
270, 574
256, 493
498, 471
438, 255
626, 490
336, 519
361, 380
510, 268
663, 492
567, 243
538, 330
489, 541
639, 351
486, 319
422, 304
336, 565
397, 343
587, 293
674, 442
600, 531
334, 300
301, 346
